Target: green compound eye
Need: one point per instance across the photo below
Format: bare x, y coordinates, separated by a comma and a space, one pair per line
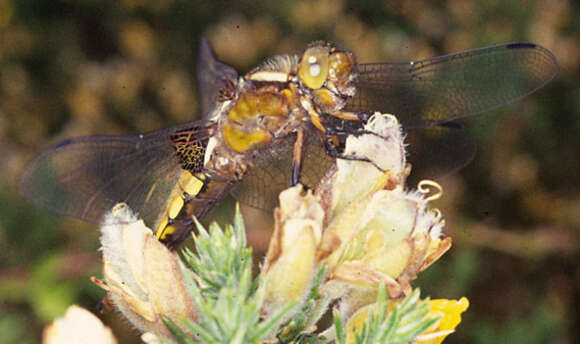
313, 69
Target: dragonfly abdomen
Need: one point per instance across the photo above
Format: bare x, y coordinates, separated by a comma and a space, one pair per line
193, 197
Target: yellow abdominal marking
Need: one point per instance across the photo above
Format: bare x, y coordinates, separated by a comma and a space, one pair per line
160, 233
188, 186
167, 232
174, 208
192, 184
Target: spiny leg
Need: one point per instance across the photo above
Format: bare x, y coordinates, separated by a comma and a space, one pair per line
334, 153
359, 132
297, 157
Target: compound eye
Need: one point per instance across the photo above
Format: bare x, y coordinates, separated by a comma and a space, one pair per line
313, 69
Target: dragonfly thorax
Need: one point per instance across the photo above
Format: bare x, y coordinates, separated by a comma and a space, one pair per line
260, 113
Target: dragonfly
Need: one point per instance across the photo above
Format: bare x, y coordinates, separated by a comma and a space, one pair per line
284, 122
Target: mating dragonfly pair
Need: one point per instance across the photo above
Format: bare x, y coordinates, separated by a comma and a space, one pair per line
282, 123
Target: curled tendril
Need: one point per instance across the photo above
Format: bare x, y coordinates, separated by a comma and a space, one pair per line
425, 187
437, 213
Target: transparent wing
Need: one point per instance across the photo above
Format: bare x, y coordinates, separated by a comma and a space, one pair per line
434, 151
453, 86
84, 177
272, 171
211, 77
438, 150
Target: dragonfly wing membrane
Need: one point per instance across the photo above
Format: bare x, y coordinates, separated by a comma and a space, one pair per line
212, 76
85, 177
271, 173
438, 150
453, 86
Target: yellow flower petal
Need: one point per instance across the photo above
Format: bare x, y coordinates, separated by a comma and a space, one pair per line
450, 310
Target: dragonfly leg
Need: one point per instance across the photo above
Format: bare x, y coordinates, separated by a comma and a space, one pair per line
297, 157
333, 152
339, 132
351, 116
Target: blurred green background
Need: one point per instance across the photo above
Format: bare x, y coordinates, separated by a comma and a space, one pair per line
72, 68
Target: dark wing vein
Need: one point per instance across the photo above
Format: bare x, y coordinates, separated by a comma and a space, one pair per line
272, 170
453, 86
211, 76
85, 177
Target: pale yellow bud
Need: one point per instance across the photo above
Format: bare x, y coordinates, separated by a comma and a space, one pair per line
150, 338
290, 264
379, 233
355, 179
77, 326
142, 277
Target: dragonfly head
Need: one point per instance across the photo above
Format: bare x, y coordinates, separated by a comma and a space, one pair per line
329, 72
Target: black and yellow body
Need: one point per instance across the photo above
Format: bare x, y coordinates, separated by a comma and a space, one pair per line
261, 109
286, 119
